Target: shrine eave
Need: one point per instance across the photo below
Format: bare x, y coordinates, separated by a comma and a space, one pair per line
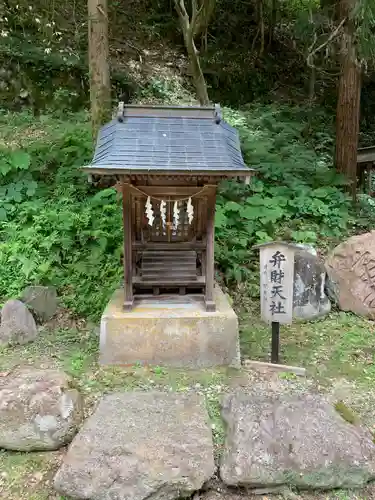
112, 170
159, 140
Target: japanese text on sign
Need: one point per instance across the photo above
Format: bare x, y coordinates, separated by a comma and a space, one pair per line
277, 269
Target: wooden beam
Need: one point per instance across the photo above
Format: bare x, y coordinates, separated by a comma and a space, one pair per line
262, 366
141, 282
188, 245
128, 236
172, 191
210, 242
369, 178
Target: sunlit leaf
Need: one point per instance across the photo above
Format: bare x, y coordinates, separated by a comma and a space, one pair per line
20, 160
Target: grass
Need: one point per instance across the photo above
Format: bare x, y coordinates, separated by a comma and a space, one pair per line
20, 129
342, 346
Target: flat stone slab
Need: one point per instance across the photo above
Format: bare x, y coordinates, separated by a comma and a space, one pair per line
171, 331
39, 410
138, 446
299, 441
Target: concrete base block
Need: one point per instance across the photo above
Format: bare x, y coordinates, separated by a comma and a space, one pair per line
171, 330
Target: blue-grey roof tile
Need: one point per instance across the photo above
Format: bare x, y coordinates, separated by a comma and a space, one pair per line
158, 139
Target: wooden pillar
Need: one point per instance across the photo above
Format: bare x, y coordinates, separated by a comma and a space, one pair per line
370, 167
210, 242
128, 240
361, 174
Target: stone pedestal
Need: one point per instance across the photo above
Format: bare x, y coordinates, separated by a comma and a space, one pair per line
173, 331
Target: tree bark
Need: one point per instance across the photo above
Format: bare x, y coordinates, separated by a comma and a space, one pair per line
272, 22
100, 83
192, 27
348, 102
199, 80
312, 84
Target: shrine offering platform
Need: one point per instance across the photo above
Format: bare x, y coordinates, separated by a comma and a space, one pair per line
171, 330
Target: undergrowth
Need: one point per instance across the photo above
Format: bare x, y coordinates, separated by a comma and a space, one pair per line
56, 228
295, 194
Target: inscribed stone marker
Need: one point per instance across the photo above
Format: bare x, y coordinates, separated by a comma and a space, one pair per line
276, 282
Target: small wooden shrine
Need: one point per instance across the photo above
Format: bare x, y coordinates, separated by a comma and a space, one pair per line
168, 162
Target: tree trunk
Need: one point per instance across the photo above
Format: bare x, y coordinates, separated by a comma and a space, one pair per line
100, 84
192, 28
348, 102
272, 23
312, 84
197, 74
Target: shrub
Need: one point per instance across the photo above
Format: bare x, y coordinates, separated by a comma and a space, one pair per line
295, 195
64, 232
57, 228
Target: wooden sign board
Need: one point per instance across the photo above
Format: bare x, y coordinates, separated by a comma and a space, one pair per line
276, 282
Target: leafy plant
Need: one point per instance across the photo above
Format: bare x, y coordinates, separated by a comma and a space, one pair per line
16, 185
295, 195
58, 229
65, 232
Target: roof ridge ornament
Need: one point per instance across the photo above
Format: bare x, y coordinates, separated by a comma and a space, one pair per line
217, 114
120, 111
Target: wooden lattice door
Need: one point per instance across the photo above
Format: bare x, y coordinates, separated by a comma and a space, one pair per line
169, 231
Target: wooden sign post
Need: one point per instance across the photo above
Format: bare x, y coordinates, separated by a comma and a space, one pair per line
276, 288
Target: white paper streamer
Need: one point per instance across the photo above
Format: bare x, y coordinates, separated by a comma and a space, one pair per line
163, 214
149, 212
190, 211
176, 215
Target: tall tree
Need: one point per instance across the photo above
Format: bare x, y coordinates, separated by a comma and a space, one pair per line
192, 27
100, 83
349, 94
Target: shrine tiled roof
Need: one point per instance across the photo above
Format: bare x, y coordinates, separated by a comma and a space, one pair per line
163, 140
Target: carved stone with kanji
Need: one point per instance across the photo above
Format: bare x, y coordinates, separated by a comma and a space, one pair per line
351, 272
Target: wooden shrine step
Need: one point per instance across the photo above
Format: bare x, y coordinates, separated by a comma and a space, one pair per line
197, 282
169, 267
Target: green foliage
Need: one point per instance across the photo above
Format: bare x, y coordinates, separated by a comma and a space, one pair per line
59, 230
346, 413
43, 57
16, 184
365, 212
364, 17
56, 228
295, 195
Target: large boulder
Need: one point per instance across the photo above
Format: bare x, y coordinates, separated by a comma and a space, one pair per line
300, 441
42, 300
39, 410
351, 272
17, 324
309, 298
138, 446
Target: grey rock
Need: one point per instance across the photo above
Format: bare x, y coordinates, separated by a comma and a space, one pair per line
228, 494
216, 495
332, 290
138, 446
17, 324
309, 298
300, 441
308, 248
351, 271
38, 410
42, 300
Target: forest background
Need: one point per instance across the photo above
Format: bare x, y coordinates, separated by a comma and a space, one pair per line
296, 77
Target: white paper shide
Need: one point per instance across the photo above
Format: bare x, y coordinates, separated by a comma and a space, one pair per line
149, 212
